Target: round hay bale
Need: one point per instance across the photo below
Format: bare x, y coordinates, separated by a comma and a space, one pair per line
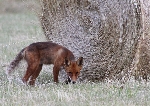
104, 32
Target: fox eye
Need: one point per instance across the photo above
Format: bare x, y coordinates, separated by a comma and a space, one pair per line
77, 73
70, 73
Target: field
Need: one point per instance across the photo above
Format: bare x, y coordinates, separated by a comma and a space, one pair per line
18, 30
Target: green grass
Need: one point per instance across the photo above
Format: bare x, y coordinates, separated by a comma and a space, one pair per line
19, 30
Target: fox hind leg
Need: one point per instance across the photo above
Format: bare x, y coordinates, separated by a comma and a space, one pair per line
30, 70
35, 75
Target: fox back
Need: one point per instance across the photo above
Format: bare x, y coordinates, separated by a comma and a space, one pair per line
37, 54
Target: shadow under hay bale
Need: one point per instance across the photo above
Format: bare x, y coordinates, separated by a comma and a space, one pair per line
143, 66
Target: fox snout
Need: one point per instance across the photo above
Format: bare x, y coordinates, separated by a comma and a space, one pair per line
72, 77
74, 82
71, 80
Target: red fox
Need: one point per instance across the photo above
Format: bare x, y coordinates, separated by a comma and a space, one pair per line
37, 54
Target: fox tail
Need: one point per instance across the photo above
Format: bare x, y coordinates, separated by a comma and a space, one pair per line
15, 62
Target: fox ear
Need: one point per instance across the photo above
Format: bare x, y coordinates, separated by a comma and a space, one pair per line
80, 61
67, 62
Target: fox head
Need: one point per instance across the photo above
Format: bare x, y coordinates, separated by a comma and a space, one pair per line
73, 69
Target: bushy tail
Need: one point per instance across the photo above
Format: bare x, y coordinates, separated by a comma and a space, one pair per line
15, 62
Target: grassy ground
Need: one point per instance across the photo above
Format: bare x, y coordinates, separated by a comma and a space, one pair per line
18, 30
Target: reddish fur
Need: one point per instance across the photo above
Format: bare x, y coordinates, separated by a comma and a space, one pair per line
40, 53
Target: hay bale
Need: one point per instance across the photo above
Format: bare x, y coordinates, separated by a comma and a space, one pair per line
104, 32
141, 68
